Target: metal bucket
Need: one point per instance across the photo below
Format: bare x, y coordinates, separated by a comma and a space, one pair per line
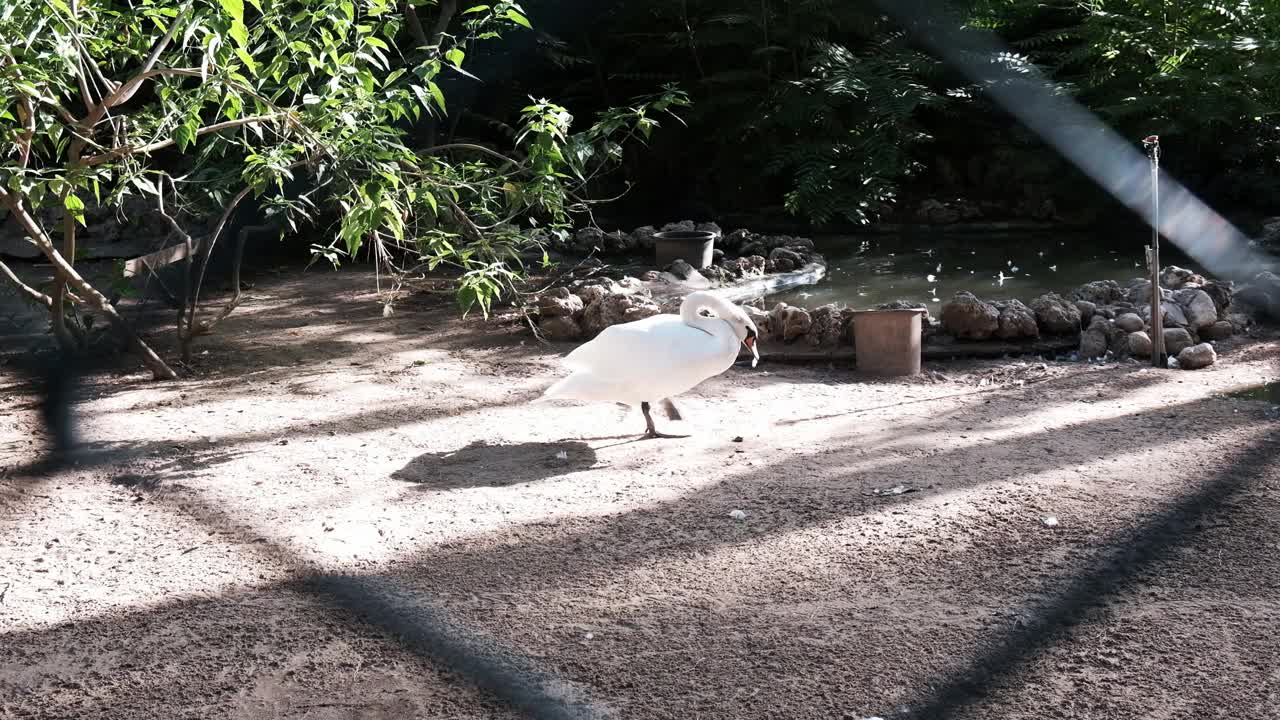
887, 342
691, 246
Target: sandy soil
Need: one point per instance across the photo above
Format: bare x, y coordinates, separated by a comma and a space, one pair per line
164, 576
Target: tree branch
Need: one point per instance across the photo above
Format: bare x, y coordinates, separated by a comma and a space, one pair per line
152, 147
29, 292
447, 10
469, 146
208, 252
414, 24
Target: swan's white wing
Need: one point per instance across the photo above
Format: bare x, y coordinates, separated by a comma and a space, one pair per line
647, 347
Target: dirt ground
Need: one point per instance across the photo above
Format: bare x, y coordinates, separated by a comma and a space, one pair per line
163, 576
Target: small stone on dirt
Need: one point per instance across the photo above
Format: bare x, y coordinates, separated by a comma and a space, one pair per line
1050, 521
738, 515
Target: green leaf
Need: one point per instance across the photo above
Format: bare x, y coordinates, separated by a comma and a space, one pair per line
75, 206
247, 60
234, 107
240, 34
516, 17
235, 10
476, 9
184, 136
438, 95
431, 200
455, 56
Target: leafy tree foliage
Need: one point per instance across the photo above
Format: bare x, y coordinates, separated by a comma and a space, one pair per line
198, 104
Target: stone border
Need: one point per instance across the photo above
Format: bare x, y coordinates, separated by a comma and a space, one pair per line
745, 266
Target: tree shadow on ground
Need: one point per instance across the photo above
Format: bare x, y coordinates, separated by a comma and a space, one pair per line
482, 464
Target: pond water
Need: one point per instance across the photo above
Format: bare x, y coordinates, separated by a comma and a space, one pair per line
864, 271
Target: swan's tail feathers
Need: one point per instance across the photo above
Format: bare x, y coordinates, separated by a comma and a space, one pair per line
584, 386
555, 392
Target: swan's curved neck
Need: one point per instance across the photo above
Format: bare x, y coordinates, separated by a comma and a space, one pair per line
691, 313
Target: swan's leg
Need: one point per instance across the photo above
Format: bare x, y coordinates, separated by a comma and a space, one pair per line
670, 409
650, 430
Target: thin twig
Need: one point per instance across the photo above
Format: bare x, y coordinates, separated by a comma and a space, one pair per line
151, 147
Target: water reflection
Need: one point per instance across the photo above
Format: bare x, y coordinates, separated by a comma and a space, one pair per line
866, 271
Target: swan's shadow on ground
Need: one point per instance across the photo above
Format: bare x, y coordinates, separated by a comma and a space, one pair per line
481, 464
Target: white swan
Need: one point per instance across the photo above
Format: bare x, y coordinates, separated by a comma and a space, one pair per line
659, 357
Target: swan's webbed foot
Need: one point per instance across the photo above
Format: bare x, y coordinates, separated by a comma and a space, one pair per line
654, 435
651, 432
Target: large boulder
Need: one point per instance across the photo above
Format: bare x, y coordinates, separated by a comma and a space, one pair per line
734, 241
618, 242
751, 266
1140, 344
709, 227
1140, 293
965, 316
1055, 315
559, 302
681, 270
588, 238
827, 327
1176, 340
1087, 310
1220, 330
1130, 322
786, 260
560, 328
1197, 306
788, 323
1100, 292
596, 291
1016, 321
642, 237
1171, 312
1094, 340
682, 226
616, 309
1264, 294
1221, 293
1175, 278
1197, 356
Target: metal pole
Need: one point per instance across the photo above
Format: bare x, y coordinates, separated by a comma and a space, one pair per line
1151, 144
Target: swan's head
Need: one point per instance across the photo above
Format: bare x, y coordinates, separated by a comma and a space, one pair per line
732, 315
745, 330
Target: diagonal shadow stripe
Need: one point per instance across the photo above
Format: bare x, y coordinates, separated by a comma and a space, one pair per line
1132, 554
373, 600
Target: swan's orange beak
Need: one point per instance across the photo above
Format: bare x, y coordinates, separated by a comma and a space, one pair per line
750, 342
